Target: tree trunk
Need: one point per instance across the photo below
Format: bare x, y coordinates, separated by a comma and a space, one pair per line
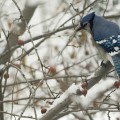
1, 102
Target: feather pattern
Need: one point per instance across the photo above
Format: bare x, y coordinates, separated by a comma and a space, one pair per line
103, 29
107, 36
116, 61
110, 45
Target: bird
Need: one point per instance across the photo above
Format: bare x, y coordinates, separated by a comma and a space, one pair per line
106, 37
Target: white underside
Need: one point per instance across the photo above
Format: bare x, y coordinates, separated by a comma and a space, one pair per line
104, 55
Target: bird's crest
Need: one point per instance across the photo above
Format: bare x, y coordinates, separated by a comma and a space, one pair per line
87, 19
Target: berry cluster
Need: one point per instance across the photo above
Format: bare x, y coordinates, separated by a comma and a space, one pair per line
84, 90
84, 86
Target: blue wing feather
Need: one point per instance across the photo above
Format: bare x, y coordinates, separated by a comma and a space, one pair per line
116, 61
107, 35
110, 45
103, 28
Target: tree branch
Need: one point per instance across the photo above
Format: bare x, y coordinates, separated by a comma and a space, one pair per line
18, 28
102, 71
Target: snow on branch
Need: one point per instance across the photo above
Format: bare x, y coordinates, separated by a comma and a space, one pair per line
61, 103
72, 94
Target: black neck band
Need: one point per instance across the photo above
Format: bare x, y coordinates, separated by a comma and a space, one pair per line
91, 22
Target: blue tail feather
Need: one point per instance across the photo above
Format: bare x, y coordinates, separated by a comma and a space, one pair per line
116, 61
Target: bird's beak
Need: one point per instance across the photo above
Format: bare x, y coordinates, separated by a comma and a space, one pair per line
79, 28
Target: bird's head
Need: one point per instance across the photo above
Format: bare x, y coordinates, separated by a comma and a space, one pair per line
86, 22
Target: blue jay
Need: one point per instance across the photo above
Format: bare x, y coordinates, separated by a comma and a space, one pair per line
106, 36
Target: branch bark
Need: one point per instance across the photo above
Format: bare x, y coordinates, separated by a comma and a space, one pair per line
1, 99
18, 28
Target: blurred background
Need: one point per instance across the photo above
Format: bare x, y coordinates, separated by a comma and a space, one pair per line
59, 58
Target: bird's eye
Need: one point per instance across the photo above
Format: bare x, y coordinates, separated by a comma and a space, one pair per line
83, 24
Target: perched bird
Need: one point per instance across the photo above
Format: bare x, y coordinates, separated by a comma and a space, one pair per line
106, 36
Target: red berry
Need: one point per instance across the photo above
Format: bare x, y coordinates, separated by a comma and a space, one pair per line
84, 92
6, 76
52, 70
43, 110
84, 84
20, 42
117, 84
